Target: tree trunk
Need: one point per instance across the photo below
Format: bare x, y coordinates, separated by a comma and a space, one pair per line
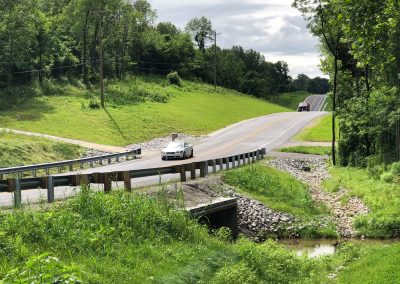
85, 72
334, 112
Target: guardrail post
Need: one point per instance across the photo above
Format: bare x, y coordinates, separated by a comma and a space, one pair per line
227, 163
258, 154
233, 161
107, 182
81, 166
182, 172
91, 164
71, 167
221, 165
34, 173
253, 159
81, 180
11, 185
263, 153
19, 175
1, 177
50, 189
109, 160
245, 159
117, 159
127, 181
60, 169
203, 166
17, 193
193, 171
214, 166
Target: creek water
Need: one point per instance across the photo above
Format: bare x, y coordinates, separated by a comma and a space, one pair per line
323, 247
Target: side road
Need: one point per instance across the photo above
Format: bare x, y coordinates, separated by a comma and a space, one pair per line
89, 145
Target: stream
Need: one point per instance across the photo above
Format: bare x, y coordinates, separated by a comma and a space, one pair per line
323, 247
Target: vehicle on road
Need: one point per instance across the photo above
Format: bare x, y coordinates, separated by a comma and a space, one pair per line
177, 150
304, 106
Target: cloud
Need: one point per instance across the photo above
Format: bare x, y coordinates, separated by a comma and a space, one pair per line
271, 27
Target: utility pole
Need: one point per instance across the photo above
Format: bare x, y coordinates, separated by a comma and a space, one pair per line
101, 67
215, 58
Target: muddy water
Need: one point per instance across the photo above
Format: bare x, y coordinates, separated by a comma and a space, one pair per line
323, 247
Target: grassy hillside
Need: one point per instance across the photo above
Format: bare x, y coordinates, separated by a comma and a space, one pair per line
290, 100
319, 131
137, 109
17, 150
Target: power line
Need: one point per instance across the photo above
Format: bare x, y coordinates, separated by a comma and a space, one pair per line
45, 69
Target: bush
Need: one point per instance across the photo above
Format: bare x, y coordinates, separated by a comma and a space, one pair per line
174, 79
387, 177
395, 169
94, 104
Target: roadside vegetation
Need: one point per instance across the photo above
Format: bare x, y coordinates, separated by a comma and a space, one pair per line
19, 150
319, 130
125, 238
137, 109
281, 192
290, 100
382, 198
312, 150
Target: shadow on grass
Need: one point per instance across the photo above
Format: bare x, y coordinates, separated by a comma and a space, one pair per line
115, 124
23, 109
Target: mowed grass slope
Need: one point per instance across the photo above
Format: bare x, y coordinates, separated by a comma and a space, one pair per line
319, 131
138, 109
18, 150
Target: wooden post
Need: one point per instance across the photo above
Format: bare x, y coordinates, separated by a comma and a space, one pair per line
50, 189
193, 171
17, 193
127, 181
107, 182
182, 172
82, 180
214, 166
11, 185
203, 166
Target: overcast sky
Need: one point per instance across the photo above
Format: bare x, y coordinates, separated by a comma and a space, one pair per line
271, 27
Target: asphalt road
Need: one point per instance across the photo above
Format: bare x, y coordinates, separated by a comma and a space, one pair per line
316, 102
267, 132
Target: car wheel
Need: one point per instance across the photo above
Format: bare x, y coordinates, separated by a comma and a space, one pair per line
191, 155
162, 158
184, 155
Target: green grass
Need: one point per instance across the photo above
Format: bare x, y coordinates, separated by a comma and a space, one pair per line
138, 109
126, 238
278, 190
379, 265
383, 200
290, 100
313, 150
319, 131
19, 150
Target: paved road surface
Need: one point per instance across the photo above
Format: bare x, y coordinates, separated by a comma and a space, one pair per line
316, 102
267, 132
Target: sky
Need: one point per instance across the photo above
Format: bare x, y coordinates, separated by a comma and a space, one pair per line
271, 27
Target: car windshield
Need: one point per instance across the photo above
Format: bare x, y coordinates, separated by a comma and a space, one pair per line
176, 144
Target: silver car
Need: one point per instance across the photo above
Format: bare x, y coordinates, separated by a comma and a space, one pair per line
177, 150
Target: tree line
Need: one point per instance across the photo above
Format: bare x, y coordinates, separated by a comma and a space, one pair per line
360, 41
53, 39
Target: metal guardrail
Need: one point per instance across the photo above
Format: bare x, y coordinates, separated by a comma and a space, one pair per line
69, 164
16, 185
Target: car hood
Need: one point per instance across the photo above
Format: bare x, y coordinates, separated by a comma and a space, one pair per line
172, 149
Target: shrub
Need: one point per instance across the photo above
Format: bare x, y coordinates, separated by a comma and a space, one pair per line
94, 104
395, 169
387, 177
174, 79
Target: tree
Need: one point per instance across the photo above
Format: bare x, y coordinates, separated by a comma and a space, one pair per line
201, 30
